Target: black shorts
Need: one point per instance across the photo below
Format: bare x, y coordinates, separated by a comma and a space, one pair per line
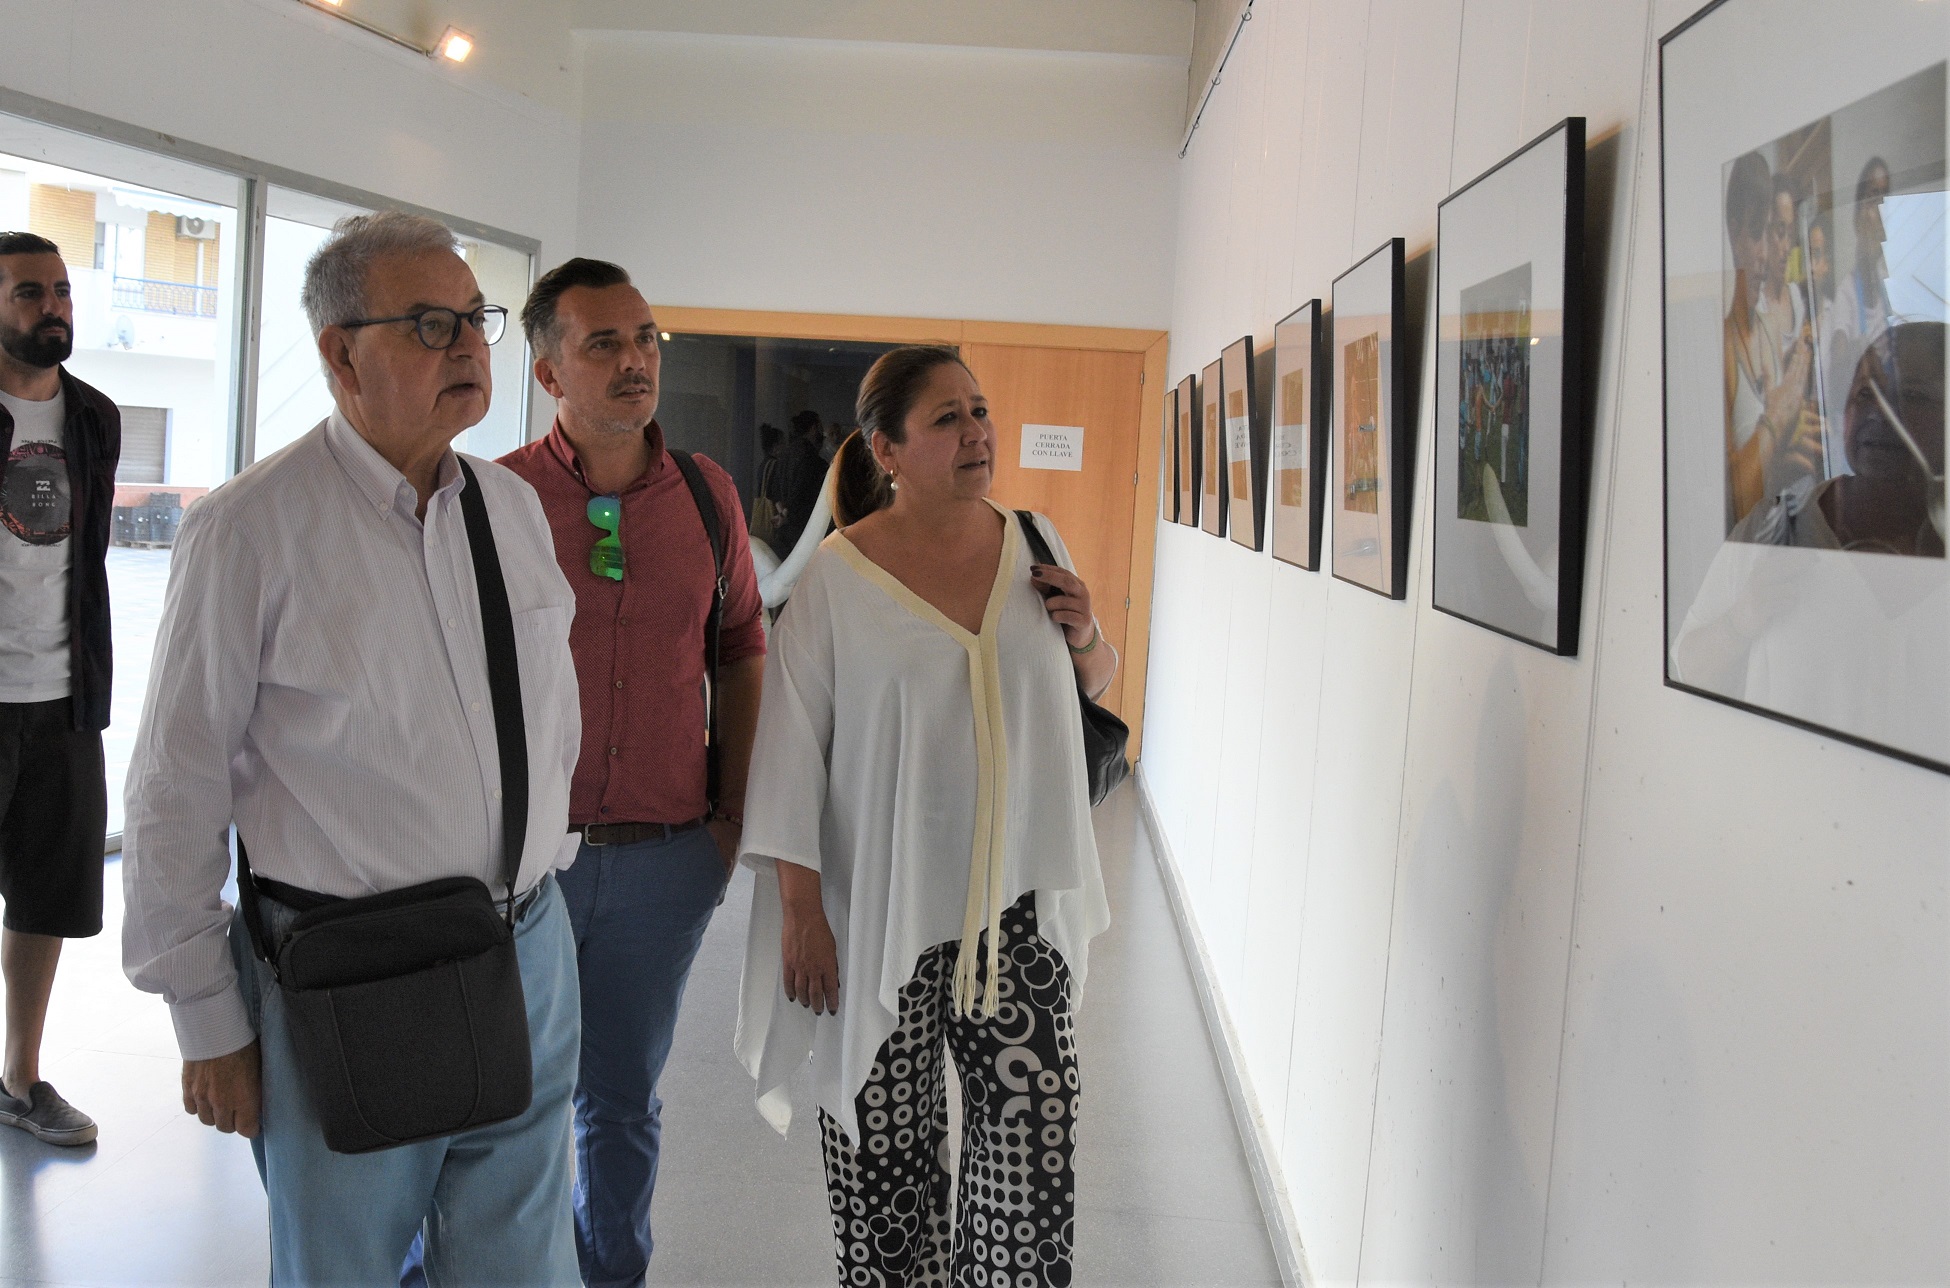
53, 819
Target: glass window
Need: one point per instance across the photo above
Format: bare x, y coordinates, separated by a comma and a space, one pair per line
291, 392
150, 245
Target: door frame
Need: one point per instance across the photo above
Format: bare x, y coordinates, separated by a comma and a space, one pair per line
1034, 335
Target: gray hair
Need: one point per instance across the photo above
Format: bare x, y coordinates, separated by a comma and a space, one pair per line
335, 279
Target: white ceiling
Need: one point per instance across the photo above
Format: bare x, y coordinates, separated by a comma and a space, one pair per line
1142, 28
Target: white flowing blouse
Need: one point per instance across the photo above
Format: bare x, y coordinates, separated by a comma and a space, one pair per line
932, 778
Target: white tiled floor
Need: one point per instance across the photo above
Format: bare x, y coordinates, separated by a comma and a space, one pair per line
1165, 1197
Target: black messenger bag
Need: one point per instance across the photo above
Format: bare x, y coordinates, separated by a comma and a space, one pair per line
405, 1008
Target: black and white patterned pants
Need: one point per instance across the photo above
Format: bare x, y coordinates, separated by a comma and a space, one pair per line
1017, 1218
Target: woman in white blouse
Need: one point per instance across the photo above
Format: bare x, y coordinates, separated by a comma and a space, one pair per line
919, 813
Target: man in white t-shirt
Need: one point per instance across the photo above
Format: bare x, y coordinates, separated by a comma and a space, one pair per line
59, 441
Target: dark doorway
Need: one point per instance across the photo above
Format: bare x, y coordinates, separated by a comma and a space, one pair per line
718, 390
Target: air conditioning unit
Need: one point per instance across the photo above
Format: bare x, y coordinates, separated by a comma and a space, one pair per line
196, 229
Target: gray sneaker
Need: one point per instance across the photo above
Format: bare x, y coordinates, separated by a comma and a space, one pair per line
46, 1116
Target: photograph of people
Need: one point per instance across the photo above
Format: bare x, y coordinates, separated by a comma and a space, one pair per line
1890, 499
1773, 433
927, 876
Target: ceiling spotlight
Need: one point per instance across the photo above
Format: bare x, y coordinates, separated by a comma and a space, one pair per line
454, 45
664, 334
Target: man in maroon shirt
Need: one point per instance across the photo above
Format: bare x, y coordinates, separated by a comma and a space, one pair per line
654, 857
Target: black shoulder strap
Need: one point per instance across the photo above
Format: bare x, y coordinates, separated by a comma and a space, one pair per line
510, 728
1037, 546
504, 678
707, 510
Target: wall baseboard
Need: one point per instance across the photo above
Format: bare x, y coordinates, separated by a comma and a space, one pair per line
1282, 1231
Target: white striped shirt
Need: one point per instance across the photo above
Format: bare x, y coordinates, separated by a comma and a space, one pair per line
320, 679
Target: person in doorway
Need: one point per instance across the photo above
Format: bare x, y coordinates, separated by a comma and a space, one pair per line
59, 443
322, 681
920, 821
655, 849
803, 468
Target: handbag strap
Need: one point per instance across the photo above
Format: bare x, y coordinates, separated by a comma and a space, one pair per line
504, 678
707, 510
1037, 545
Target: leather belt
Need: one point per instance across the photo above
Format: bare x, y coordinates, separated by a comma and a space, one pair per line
631, 833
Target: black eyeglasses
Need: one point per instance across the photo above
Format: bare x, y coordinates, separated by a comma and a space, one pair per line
440, 328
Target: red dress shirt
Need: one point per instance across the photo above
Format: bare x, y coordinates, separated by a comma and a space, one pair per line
639, 643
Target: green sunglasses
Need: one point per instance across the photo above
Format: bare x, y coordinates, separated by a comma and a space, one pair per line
606, 557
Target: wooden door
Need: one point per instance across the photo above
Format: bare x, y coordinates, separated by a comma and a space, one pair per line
1099, 392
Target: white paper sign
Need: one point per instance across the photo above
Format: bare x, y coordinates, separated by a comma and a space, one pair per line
1052, 447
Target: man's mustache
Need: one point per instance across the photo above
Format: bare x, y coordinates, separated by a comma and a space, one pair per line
631, 387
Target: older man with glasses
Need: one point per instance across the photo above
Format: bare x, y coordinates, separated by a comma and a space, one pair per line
365, 642
658, 826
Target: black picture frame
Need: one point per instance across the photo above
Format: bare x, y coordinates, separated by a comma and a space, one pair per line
1245, 435
1189, 455
1774, 603
1512, 403
1168, 457
1212, 484
1297, 414
1373, 406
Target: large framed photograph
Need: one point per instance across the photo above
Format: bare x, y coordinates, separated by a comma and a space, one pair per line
1168, 459
1245, 446
1299, 443
1511, 402
1212, 487
1374, 443
1188, 452
1803, 230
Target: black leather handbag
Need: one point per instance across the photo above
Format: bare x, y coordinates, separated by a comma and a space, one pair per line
406, 1011
1104, 735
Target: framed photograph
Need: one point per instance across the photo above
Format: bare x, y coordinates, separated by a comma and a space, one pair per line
1511, 427
1803, 239
1374, 434
1188, 451
1212, 488
1168, 459
1245, 446
1299, 444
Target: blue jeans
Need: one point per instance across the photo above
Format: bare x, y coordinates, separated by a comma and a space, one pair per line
493, 1202
639, 913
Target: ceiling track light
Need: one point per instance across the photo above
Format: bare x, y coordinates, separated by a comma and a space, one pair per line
454, 44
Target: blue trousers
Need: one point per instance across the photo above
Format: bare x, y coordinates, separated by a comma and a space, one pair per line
493, 1203
639, 912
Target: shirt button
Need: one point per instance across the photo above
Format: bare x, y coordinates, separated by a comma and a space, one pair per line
612, 751
619, 684
473, 706
451, 623
497, 793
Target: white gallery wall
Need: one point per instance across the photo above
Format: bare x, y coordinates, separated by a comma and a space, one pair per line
1542, 971
852, 176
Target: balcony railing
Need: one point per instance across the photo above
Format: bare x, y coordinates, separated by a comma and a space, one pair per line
183, 299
